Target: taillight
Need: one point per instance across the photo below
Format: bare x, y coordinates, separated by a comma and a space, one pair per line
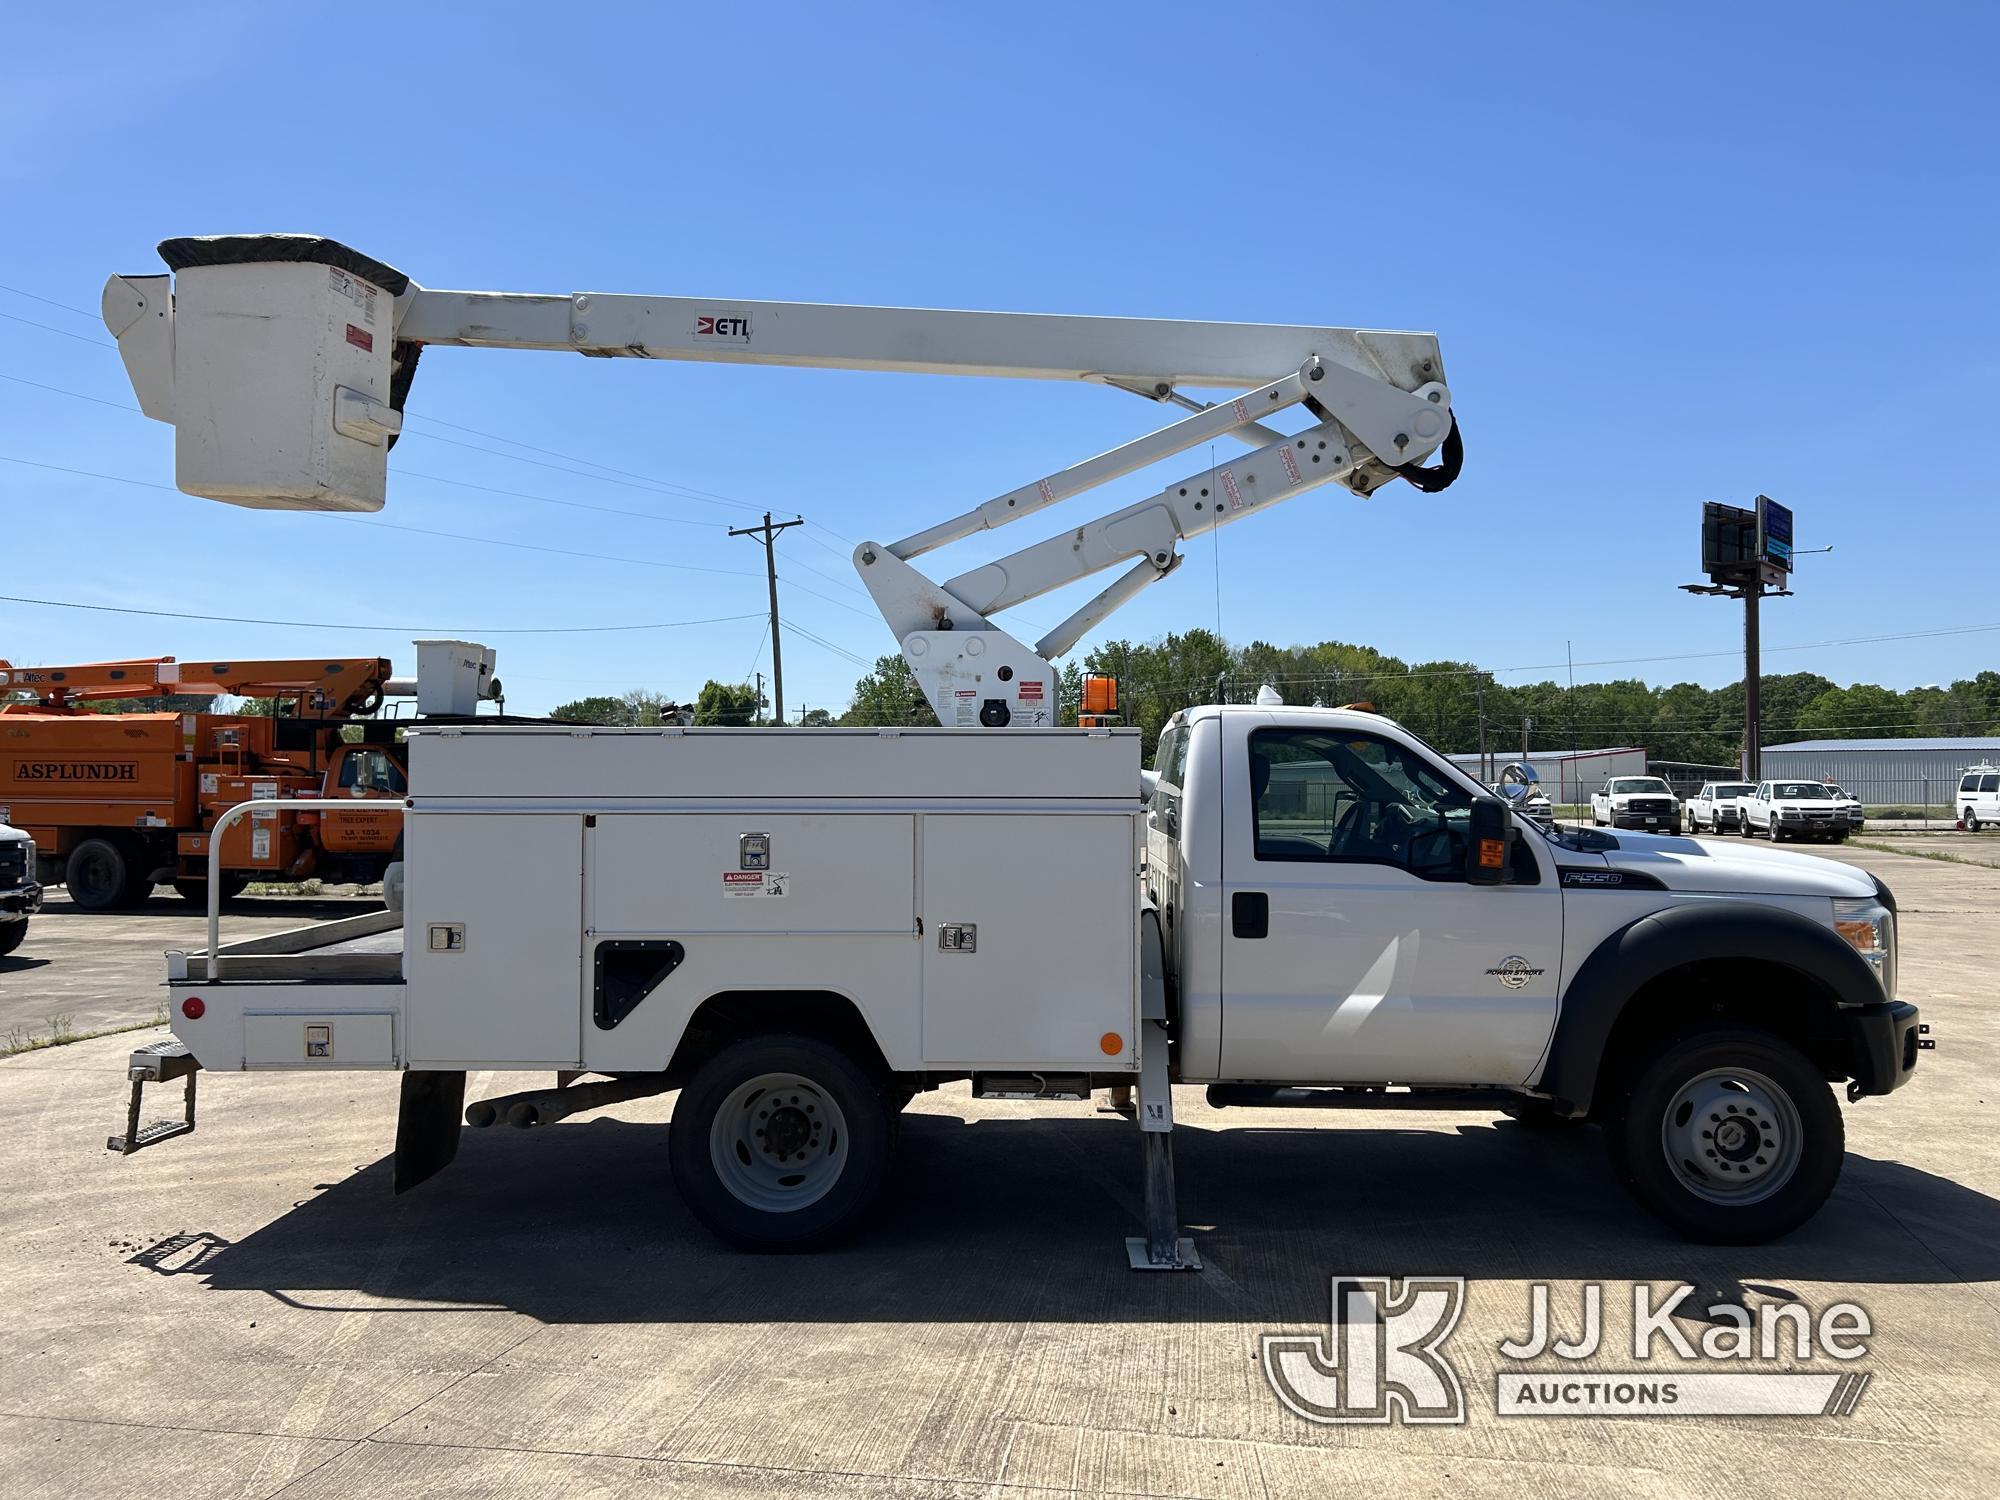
193, 1008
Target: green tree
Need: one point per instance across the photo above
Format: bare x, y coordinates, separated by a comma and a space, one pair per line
888, 695
815, 718
601, 710
726, 703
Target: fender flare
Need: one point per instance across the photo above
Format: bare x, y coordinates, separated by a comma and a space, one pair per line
1641, 951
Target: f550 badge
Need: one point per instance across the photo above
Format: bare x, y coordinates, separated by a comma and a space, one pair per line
731, 328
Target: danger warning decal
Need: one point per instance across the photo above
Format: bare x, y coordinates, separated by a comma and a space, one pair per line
1291, 464
1031, 690
755, 882
1228, 478
360, 338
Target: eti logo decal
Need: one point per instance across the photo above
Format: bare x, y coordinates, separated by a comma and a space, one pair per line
731, 328
1379, 1360
1515, 971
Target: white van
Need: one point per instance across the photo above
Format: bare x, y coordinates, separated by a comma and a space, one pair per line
1979, 797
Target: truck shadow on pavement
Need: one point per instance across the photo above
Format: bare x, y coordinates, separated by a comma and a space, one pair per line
1025, 1219
167, 905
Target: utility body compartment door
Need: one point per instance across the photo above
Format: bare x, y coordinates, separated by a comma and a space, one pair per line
493, 939
1030, 940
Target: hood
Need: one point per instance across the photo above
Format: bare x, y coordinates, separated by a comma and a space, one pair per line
1741, 869
12, 835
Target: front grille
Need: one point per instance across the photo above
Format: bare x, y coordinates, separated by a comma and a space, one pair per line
1650, 805
13, 863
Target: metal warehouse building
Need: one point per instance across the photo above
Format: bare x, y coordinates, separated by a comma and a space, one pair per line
1566, 775
1884, 773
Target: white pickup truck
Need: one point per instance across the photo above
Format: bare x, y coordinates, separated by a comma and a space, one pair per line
1717, 806
1636, 802
1314, 908
20, 894
1795, 810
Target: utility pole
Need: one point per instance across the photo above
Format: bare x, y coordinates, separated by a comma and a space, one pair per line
768, 534
1485, 770
757, 709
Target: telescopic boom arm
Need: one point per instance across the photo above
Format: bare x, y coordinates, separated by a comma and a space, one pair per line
284, 363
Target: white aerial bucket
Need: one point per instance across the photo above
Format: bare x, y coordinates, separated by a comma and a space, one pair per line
271, 355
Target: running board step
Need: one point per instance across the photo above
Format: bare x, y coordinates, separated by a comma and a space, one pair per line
1031, 1085
159, 1062
1278, 1096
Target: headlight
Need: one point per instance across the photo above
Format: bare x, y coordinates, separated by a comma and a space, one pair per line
1870, 929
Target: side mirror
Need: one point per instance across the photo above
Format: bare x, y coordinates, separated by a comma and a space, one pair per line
1491, 831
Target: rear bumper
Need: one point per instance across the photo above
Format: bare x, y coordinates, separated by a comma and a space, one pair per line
1884, 1041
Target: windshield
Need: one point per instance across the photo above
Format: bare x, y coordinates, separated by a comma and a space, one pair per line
1624, 784
1800, 791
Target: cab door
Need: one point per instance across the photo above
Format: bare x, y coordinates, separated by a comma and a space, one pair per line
1353, 948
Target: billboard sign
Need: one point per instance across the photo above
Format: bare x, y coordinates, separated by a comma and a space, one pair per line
1728, 539
1774, 534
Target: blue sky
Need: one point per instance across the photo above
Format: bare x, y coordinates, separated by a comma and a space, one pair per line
1672, 253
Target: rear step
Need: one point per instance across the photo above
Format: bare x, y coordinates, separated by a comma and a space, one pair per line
1276, 1096
161, 1062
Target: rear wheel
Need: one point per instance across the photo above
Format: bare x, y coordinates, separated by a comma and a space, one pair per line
192, 889
781, 1143
1731, 1136
99, 875
1971, 821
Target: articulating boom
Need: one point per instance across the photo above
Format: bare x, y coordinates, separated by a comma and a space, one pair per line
284, 362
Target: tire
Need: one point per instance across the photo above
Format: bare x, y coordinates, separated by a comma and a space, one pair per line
836, 1112
1971, 821
12, 935
99, 876
1679, 1166
195, 891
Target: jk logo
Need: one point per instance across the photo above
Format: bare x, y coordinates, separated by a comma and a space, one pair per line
1379, 1359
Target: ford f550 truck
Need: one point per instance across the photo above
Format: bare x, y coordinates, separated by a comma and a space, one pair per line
797, 930
1313, 908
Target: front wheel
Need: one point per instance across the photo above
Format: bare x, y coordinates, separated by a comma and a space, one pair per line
781, 1143
1731, 1136
12, 934
1971, 821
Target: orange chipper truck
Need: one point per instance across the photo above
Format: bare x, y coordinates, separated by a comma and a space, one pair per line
119, 802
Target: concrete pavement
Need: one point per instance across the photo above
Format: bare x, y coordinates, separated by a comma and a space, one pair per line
249, 1312
101, 969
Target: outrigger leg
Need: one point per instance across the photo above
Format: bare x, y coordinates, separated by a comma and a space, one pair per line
1162, 1247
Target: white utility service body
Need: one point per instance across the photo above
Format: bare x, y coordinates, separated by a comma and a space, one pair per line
1020, 852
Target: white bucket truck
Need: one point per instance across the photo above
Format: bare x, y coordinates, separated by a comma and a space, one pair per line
798, 930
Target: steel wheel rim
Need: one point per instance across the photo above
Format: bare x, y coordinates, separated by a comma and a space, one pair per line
778, 1143
1732, 1136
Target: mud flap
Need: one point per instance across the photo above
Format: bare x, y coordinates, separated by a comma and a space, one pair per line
427, 1124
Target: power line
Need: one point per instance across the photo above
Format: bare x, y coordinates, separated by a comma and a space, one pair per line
82, 338
50, 302
178, 614
490, 541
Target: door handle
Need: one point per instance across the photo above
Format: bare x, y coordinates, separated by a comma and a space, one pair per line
1250, 914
